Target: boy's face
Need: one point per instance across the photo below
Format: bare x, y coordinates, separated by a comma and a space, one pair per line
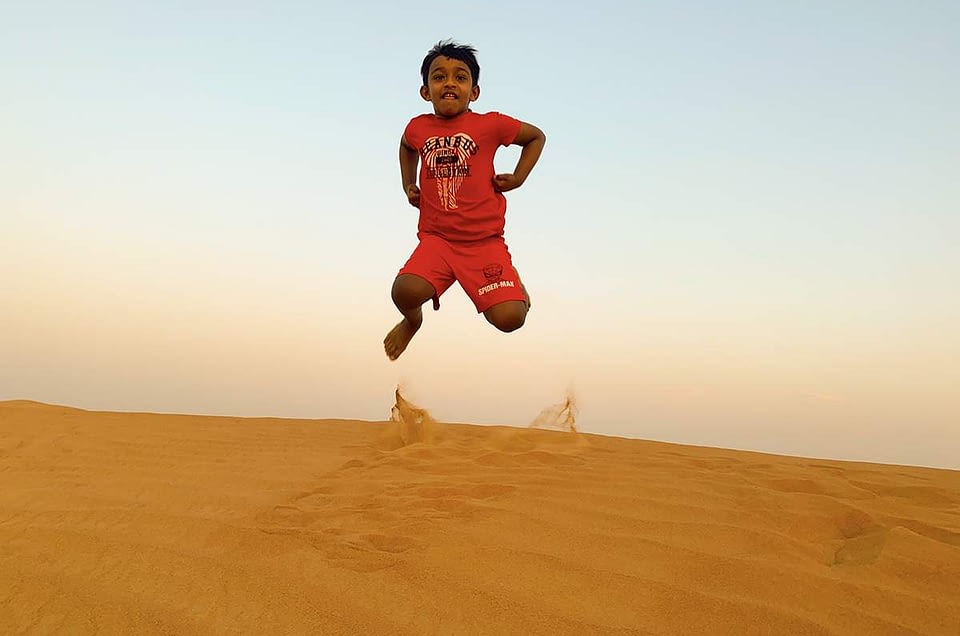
449, 87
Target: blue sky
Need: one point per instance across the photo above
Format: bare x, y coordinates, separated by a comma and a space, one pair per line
742, 232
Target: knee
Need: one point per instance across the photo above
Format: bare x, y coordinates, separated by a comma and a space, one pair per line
411, 291
508, 316
508, 322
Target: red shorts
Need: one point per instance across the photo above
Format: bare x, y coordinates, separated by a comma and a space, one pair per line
483, 268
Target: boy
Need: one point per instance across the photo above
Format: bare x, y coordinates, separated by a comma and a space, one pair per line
461, 200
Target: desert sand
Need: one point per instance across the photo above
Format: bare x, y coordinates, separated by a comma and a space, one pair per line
132, 523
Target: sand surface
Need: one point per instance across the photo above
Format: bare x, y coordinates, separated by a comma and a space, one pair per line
120, 523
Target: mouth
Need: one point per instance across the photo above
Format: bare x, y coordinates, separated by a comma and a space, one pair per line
449, 96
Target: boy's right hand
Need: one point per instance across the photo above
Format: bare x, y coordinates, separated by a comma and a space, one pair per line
413, 194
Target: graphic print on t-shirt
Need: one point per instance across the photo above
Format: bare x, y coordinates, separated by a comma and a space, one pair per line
446, 161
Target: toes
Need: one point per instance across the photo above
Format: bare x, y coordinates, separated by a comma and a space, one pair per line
391, 346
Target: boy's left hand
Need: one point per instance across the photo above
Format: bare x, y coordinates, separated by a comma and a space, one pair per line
506, 181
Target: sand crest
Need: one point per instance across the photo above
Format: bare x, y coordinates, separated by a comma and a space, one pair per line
123, 523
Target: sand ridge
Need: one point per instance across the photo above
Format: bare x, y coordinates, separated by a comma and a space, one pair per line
143, 523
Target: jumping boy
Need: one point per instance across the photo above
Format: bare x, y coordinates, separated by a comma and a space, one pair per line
461, 200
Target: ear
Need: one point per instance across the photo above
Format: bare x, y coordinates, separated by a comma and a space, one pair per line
475, 93
425, 93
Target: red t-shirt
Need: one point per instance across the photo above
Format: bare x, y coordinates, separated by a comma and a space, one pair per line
457, 199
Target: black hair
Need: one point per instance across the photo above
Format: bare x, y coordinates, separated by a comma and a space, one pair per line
448, 48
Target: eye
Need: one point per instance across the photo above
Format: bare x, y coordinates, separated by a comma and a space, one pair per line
461, 77
438, 77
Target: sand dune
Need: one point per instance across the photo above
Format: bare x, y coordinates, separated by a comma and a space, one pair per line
120, 523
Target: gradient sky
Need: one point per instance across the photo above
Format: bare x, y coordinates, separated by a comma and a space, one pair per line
743, 231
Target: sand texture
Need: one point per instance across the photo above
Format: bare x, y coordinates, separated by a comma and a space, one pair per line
121, 523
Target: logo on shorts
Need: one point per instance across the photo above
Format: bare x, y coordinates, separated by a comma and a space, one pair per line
492, 272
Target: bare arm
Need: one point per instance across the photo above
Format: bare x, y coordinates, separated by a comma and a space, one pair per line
409, 159
532, 139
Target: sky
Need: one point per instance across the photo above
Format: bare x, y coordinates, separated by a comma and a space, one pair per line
743, 231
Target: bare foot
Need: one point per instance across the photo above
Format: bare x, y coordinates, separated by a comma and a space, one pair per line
399, 337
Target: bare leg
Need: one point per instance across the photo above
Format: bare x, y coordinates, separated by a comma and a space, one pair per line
409, 293
507, 316
523, 287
